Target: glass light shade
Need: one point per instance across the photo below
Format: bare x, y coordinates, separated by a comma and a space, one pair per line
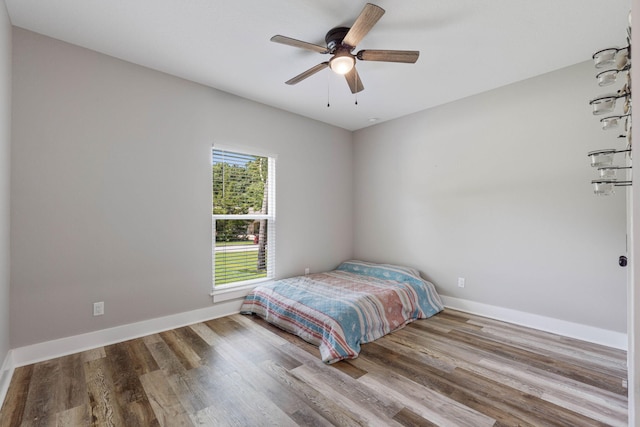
604, 104
603, 188
606, 78
610, 122
601, 158
605, 57
608, 173
342, 64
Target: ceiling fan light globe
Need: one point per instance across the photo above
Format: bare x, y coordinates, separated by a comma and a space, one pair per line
342, 64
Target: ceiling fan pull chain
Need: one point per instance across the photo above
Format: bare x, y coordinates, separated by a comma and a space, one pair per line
355, 79
328, 93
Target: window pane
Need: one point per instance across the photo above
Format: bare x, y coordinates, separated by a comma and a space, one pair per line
239, 183
243, 190
240, 250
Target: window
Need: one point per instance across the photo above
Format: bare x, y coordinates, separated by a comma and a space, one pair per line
243, 217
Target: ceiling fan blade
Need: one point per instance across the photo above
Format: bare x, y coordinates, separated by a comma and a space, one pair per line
408, 56
310, 72
354, 81
298, 43
364, 22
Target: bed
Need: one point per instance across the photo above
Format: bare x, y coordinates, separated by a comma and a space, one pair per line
338, 310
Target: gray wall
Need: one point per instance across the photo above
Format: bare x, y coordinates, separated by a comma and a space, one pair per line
5, 140
111, 189
110, 194
496, 188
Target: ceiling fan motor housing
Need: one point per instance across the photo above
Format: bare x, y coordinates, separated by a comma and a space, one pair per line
334, 38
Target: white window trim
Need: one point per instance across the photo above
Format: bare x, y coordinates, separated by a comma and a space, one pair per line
231, 291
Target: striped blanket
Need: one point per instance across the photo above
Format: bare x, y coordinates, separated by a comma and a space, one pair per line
341, 309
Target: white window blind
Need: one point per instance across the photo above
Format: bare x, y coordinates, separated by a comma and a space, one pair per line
243, 217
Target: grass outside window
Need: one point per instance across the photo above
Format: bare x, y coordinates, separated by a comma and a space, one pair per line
230, 266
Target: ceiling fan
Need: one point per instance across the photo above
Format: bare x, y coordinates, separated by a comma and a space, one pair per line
341, 41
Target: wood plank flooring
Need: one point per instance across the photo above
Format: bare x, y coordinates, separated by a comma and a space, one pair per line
454, 369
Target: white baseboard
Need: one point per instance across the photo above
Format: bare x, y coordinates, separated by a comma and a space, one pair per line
548, 324
6, 372
34, 353
64, 346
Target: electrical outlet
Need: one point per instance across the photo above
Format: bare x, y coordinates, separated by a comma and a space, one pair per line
461, 282
306, 271
98, 308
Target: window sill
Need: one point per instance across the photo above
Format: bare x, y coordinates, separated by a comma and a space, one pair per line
229, 292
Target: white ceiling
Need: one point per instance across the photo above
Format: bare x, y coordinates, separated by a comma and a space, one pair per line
466, 46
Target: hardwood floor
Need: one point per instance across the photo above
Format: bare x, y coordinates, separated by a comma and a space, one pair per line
454, 369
